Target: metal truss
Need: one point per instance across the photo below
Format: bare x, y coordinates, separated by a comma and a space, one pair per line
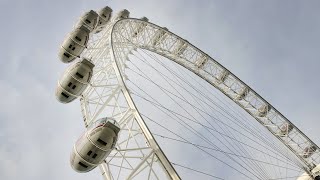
137, 154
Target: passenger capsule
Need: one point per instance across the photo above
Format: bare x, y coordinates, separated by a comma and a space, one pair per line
74, 44
94, 145
308, 151
104, 15
89, 20
285, 129
74, 81
122, 14
145, 19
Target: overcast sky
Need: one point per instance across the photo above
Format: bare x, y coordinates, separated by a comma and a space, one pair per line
271, 45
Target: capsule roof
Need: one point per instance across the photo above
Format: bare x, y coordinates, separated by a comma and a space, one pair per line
144, 19
123, 14
105, 13
102, 122
89, 20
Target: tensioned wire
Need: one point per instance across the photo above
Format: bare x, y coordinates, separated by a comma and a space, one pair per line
208, 141
228, 145
193, 117
203, 108
197, 90
281, 150
217, 105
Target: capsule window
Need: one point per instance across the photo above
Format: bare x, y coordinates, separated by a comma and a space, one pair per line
70, 46
87, 21
73, 48
65, 95
104, 15
89, 153
74, 86
69, 84
66, 55
94, 156
79, 75
77, 38
102, 142
83, 165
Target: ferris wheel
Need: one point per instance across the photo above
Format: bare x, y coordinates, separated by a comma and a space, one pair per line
114, 55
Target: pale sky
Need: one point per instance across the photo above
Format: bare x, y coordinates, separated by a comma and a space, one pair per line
271, 45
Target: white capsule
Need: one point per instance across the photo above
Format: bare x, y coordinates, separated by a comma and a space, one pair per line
104, 17
94, 145
122, 14
74, 81
74, 44
144, 19
89, 20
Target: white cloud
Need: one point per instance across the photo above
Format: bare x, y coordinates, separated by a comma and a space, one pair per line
268, 45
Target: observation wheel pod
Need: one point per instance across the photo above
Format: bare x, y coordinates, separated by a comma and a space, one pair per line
122, 14
99, 137
104, 17
105, 14
92, 148
74, 81
145, 19
89, 20
74, 44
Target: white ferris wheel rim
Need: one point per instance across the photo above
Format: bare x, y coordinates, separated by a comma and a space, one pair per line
197, 67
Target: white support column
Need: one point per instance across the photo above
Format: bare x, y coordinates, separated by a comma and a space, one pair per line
105, 172
139, 165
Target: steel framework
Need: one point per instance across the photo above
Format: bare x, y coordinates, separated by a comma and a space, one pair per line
137, 153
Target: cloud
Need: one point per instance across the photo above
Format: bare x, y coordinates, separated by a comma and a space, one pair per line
273, 46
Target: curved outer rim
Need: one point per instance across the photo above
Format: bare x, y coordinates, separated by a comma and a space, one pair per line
170, 170
132, 104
